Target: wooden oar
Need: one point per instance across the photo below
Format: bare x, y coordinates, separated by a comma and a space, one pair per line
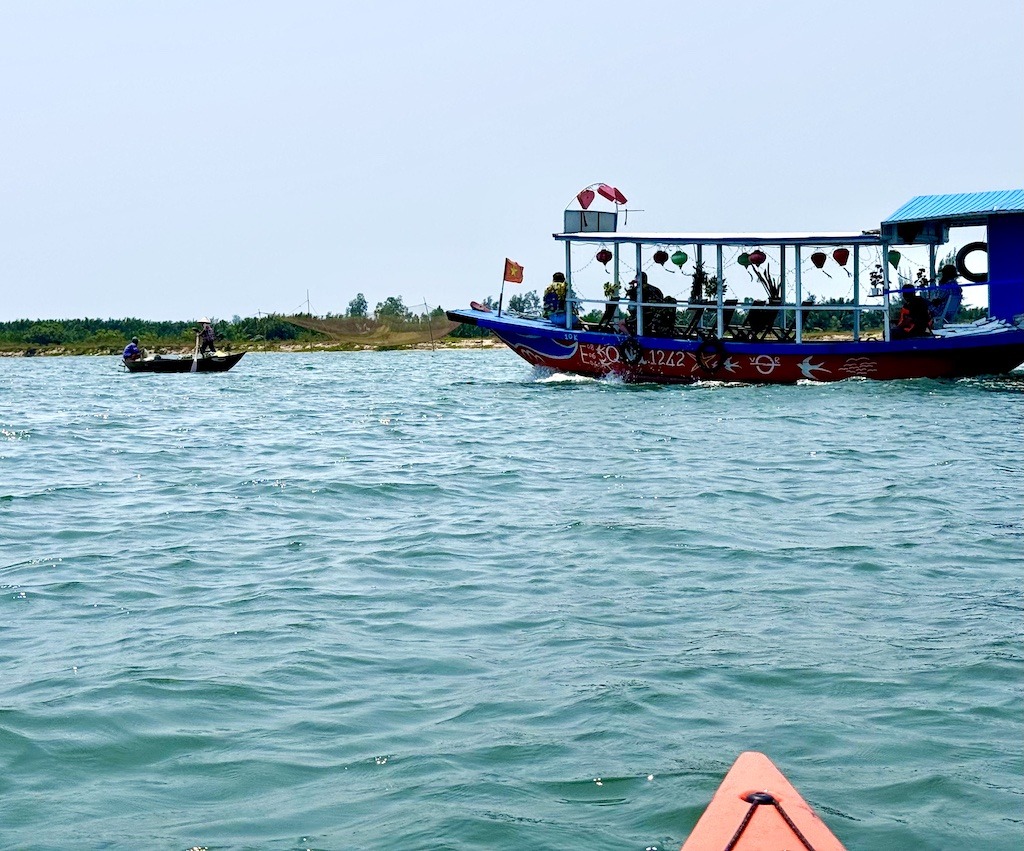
195, 356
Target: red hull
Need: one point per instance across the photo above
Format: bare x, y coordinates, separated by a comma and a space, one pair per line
767, 364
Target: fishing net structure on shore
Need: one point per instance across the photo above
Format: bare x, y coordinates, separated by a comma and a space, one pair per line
357, 331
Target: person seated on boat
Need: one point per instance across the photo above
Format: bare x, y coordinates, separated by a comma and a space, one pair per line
554, 295
554, 302
914, 319
207, 338
945, 306
658, 321
132, 351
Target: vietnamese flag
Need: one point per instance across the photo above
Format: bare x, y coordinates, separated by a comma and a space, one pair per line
513, 272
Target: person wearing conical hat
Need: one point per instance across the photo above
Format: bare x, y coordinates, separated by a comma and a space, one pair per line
207, 337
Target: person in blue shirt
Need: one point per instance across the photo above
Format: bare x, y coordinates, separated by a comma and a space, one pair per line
132, 350
945, 307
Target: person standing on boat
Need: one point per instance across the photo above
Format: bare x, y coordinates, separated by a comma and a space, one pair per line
132, 350
946, 305
914, 320
207, 338
653, 316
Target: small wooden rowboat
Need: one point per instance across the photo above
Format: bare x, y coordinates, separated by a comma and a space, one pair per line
212, 363
757, 808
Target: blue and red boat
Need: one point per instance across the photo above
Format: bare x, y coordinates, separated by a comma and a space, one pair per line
645, 336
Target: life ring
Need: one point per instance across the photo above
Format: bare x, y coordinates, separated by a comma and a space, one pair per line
961, 266
630, 351
714, 348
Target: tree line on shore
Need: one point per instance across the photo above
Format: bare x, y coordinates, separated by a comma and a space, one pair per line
109, 336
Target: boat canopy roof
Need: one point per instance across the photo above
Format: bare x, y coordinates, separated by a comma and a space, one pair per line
928, 218
743, 239
964, 208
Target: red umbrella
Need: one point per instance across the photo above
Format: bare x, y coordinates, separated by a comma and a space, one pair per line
611, 193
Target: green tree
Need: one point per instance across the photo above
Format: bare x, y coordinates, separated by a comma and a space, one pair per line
392, 308
525, 303
358, 308
45, 333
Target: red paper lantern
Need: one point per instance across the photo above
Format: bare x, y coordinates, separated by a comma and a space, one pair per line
818, 258
603, 256
841, 255
758, 257
586, 198
661, 257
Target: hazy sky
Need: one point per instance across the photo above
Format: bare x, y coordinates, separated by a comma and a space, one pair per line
170, 159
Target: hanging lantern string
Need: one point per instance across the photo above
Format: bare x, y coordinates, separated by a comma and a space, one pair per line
589, 263
731, 257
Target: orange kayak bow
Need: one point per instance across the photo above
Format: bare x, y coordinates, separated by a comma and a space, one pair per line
757, 809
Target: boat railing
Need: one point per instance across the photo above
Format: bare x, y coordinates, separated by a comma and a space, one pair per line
724, 310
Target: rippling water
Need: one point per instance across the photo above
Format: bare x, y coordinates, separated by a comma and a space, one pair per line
436, 600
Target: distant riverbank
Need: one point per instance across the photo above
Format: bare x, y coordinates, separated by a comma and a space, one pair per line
284, 347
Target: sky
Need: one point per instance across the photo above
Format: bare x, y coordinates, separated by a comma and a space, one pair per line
168, 160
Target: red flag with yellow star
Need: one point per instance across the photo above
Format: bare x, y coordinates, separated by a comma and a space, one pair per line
513, 272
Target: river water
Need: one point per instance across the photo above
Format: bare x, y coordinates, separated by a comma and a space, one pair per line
411, 600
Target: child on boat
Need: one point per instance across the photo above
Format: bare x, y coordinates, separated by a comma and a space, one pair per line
915, 319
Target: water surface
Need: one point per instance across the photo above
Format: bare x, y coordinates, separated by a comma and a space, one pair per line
438, 600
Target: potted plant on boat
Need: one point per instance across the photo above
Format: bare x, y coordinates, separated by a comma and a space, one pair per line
772, 287
612, 292
762, 315
704, 288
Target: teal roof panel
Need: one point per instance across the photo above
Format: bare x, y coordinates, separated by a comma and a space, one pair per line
959, 206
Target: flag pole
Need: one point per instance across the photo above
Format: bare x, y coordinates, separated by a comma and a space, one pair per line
514, 273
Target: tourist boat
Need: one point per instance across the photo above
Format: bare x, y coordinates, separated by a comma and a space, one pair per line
711, 337
209, 363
